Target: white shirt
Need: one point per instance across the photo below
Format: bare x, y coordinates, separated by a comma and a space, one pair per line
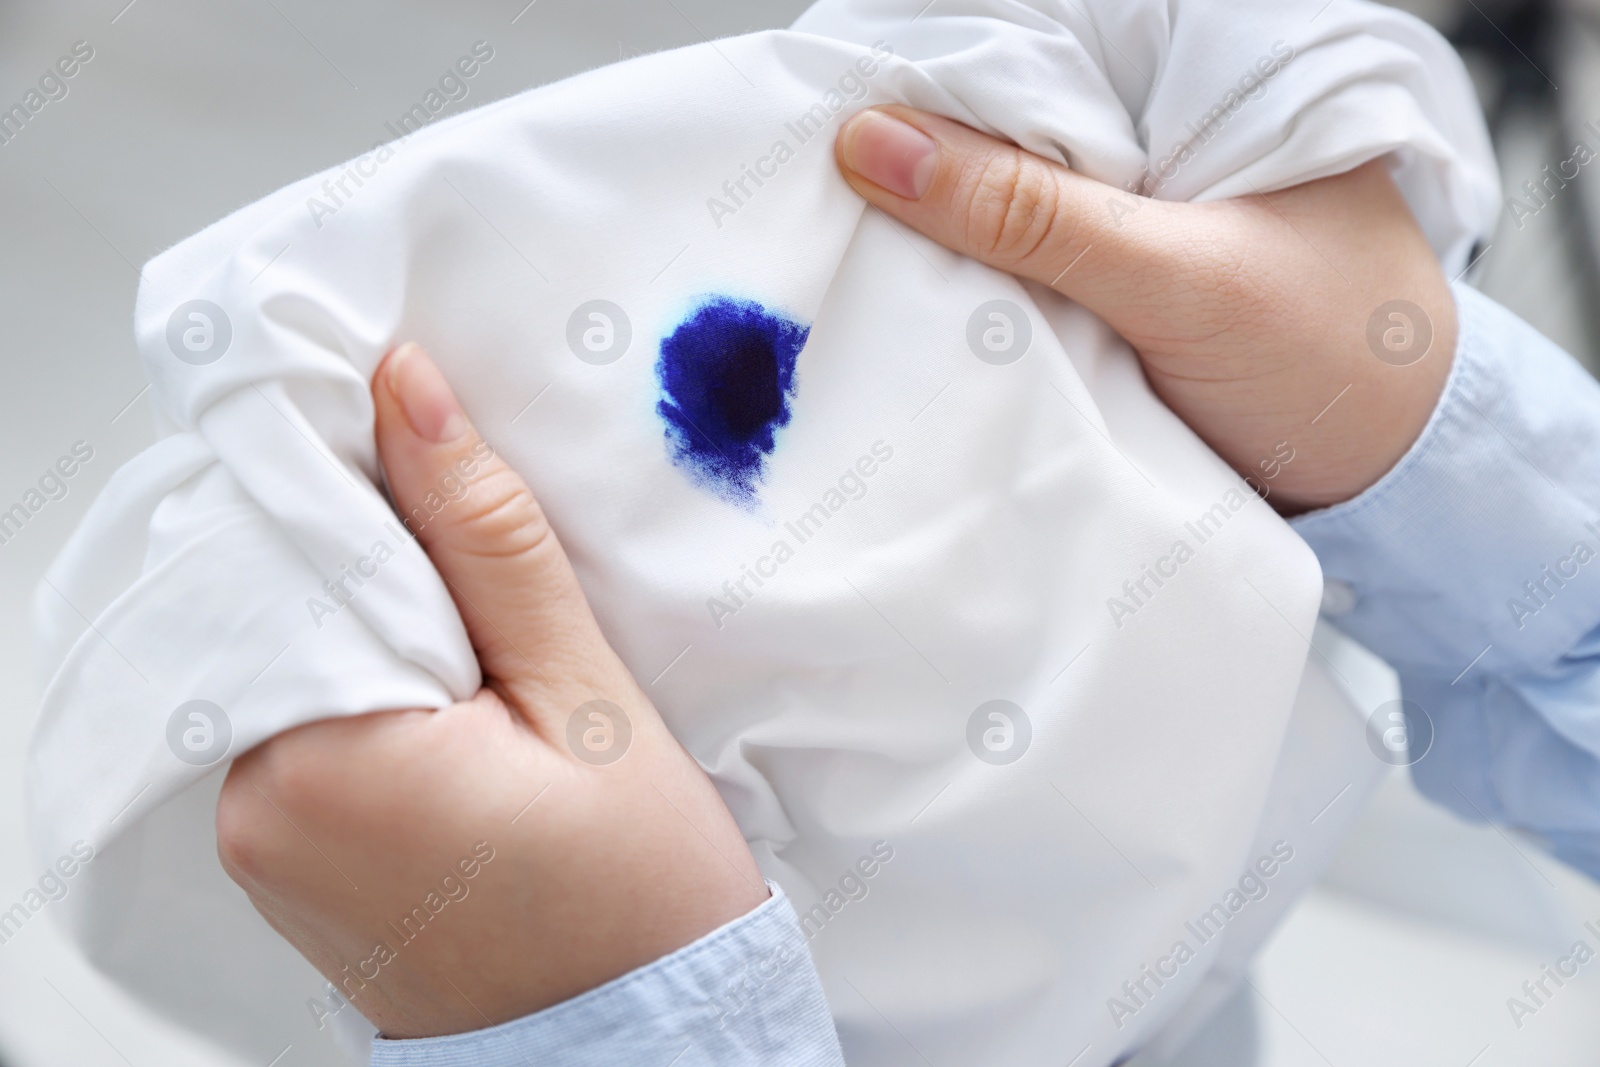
977, 595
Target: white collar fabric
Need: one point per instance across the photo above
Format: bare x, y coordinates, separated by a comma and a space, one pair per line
970, 472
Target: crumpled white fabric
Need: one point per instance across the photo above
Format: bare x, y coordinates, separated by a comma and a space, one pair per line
1007, 506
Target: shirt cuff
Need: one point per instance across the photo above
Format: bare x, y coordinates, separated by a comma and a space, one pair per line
1478, 550
746, 993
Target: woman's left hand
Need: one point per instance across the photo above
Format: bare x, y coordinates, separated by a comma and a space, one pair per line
452, 869
1315, 319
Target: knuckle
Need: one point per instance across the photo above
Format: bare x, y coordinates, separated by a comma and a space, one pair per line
276, 786
246, 844
500, 517
1012, 204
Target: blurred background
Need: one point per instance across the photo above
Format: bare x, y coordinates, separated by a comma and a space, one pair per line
1424, 926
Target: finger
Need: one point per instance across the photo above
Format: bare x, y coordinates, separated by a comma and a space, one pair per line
481, 526
1004, 206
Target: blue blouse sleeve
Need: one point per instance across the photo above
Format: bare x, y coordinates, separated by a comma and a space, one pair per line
746, 993
1473, 567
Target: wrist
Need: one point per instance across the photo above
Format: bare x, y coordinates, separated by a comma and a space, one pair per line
1377, 415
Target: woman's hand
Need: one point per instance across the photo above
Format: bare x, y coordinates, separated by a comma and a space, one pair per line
452, 869
1260, 321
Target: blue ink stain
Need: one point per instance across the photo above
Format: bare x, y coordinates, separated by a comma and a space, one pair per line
727, 375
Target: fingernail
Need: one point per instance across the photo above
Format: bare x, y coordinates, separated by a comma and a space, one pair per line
427, 399
890, 153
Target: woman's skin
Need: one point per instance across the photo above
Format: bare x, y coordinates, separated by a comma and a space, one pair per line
339, 828
1249, 316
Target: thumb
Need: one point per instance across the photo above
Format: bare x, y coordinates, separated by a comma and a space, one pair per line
480, 525
1007, 207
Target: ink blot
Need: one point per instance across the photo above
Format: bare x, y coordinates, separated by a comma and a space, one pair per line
727, 376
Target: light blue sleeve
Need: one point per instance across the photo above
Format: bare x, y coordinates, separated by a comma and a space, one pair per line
746, 993
1473, 567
